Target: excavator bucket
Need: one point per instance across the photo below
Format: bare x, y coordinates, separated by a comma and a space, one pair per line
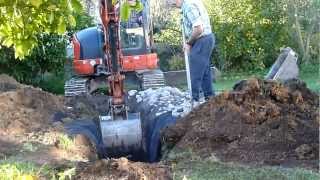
285, 67
121, 136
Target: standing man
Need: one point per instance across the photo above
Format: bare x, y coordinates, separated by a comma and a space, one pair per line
199, 45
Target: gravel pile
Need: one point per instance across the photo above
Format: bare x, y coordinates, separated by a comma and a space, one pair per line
163, 100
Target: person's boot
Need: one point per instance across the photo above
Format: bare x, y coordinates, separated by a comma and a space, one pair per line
195, 104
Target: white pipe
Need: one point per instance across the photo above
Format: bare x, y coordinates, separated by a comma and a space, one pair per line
186, 59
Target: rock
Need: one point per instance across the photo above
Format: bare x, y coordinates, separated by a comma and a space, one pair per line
304, 152
132, 92
163, 100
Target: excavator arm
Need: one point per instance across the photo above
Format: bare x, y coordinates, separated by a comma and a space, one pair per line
121, 131
110, 17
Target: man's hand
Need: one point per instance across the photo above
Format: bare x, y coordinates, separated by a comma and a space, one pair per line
187, 48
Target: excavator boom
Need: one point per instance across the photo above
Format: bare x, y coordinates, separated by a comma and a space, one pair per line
121, 131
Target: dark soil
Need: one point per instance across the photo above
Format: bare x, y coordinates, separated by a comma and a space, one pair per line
122, 169
260, 122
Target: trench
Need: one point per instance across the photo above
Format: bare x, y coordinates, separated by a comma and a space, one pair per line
151, 130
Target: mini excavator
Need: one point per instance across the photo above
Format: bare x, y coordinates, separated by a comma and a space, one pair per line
108, 52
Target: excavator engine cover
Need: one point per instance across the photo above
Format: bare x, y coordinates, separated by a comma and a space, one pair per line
121, 136
90, 43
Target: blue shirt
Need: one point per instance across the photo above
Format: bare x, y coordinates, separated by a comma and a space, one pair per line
194, 14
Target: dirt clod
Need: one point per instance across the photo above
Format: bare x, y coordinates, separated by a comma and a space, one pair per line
260, 122
122, 169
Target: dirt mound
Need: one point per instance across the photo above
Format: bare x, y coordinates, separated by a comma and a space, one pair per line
260, 122
31, 129
8, 83
25, 109
122, 169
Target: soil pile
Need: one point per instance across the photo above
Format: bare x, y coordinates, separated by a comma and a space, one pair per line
25, 109
8, 83
122, 169
31, 126
260, 122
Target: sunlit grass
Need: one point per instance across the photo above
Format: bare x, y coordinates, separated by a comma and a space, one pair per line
219, 171
22, 170
187, 165
308, 73
65, 142
12, 170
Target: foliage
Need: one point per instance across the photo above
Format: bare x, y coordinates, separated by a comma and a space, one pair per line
170, 33
53, 82
160, 13
166, 53
304, 28
127, 8
251, 33
48, 56
23, 21
176, 63
67, 174
10, 170
23, 170
169, 40
65, 142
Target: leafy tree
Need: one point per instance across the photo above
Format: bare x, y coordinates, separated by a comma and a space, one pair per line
249, 33
304, 27
48, 56
22, 21
170, 35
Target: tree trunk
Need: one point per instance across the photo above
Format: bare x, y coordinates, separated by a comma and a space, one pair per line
298, 31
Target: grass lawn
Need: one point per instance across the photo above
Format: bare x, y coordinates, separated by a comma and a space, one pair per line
309, 74
186, 165
12, 170
222, 171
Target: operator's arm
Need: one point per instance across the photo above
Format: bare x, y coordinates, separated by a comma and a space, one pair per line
196, 33
194, 17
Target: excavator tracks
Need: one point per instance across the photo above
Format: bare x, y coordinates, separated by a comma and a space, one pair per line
80, 86
76, 86
153, 79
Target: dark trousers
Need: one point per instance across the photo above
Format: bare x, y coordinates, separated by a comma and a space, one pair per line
199, 57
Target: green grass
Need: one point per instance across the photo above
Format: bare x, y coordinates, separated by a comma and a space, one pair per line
308, 73
10, 170
187, 165
198, 170
53, 83
65, 142
228, 79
